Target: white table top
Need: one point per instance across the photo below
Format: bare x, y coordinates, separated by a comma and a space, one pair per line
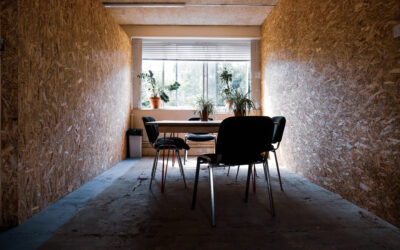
179, 126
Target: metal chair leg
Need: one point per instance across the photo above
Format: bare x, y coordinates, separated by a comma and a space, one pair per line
181, 166
229, 169
237, 173
254, 178
277, 168
210, 169
268, 180
248, 183
185, 153
196, 181
153, 172
155, 168
215, 145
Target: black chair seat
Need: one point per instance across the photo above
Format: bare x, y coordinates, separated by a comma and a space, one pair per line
163, 142
214, 159
200, 137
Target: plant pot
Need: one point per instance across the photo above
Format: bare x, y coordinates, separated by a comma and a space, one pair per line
204, 116
155, 102
227, 104
239, 113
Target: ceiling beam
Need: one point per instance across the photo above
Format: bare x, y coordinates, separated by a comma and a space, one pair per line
178, 4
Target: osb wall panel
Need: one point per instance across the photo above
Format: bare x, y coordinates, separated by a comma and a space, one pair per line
1, 217
9, 113
74, 87
332, 68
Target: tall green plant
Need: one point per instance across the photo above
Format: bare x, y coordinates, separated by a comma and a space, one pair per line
155, 89
226, 79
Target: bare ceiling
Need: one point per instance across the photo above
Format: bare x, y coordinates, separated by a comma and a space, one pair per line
200, 12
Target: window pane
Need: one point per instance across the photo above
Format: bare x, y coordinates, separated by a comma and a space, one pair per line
240, 72
240, 78
170, 78
157, 68
190, 76
213, 81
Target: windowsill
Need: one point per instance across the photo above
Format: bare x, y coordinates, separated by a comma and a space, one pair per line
218, 111
221, 111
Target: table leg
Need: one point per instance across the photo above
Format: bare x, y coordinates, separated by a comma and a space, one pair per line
173, 152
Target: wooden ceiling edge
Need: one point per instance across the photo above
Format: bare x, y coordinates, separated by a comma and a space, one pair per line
194, 31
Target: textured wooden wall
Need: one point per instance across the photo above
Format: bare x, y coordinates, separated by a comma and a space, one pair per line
333, 69
74, 89
9, 113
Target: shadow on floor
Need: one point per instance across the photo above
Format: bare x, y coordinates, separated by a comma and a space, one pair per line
129, 215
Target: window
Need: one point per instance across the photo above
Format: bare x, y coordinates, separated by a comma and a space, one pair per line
196, 66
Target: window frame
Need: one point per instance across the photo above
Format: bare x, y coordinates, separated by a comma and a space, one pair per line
205, 80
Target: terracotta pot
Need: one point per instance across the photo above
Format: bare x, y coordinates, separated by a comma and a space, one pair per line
204, 116
238, 113
227, 104
155, 102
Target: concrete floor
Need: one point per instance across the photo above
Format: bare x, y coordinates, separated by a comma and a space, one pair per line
128, 215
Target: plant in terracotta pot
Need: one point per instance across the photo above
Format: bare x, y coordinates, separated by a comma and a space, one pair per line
226, 79
157, 92
241, 103
204, 108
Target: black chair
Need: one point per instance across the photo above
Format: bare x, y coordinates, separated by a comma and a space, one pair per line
163, 143
279, 127
199, 137
247, 147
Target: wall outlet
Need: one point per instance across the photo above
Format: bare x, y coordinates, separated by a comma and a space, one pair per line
396, 31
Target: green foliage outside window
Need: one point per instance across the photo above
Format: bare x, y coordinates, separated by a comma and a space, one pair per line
196, 79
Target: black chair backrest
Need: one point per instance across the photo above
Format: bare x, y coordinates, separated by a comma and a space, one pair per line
151, 130
196, 118
278, 128
241, 140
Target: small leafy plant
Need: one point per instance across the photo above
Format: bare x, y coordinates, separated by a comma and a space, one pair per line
155, 89
204, 107
241, 103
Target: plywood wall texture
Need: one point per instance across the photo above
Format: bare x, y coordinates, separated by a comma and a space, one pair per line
74, 87
332, 68
9, 113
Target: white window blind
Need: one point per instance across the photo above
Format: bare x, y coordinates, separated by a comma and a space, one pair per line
196, 50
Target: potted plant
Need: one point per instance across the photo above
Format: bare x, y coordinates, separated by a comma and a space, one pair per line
157, 92
241, 103
226, 78
204, 108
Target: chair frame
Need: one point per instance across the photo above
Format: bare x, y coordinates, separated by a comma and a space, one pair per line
273, 150
155, 163
164, 146
186, 151
201, 160
218, 161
